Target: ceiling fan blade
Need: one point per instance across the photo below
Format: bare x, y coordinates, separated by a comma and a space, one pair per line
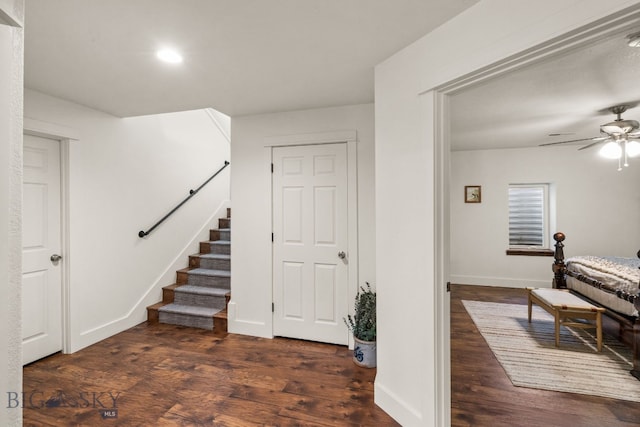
596, 138
592, 144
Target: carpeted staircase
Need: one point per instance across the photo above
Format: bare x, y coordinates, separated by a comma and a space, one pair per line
200, 295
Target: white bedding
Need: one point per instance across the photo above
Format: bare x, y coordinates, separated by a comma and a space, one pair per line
622, 274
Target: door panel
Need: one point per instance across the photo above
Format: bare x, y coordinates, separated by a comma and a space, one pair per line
34, 290
325, 216
310, 229
292, 199
41, 278
292, 290
325, 293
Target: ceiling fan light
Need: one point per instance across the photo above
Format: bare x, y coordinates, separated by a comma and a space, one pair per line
619, 127
633, 148
611, 150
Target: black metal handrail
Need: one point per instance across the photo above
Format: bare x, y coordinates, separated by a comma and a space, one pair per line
192, 193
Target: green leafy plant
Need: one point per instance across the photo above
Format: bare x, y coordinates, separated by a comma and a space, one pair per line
363, 323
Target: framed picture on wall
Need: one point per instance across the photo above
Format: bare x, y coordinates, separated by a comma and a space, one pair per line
472, 194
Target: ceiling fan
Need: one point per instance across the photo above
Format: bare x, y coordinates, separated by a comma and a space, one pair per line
620, 138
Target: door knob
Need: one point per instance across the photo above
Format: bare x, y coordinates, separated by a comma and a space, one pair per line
341, 255
55, 258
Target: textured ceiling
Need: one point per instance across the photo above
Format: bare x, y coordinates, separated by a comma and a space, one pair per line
240, 57
568, 94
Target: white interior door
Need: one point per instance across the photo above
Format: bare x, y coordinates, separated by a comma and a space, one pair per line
41, 276
310, 242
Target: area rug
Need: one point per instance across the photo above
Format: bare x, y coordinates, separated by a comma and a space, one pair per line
529, 357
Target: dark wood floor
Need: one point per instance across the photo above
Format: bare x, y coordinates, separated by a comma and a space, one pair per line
168, 375
173, 376
482, 394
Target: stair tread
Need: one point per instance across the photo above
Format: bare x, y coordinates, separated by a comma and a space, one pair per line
215, 256
193, 285
207, 272
157, 305
189, 310
201, 290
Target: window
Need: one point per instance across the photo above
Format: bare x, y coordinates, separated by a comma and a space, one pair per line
529, 218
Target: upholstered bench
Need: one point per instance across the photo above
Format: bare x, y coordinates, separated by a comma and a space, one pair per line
564, 306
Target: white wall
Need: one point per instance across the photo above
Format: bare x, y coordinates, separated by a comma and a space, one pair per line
12, 13
250, 306
408, 381
124, 175
11, 72
9, 200
597, 208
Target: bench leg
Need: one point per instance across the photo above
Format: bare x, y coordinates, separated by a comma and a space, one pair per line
599, 330
636, 351
529, 306
557, 321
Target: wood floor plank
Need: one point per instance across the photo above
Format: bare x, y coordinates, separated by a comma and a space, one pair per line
171, 375
483, 395
356, 393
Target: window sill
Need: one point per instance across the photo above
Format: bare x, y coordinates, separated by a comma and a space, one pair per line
530, 252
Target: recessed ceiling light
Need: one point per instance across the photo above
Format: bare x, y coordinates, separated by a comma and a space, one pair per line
169, 55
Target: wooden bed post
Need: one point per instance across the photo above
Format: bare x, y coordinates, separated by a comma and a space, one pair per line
636, 350
636, 336
559, 280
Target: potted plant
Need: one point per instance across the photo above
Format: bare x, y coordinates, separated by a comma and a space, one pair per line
363, 326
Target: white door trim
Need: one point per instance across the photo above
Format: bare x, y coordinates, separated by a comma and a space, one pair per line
442, 259
311, 138
64, 135
437, 113
350, 138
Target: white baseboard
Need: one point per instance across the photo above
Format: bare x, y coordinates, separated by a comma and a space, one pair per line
397, 409
502, 282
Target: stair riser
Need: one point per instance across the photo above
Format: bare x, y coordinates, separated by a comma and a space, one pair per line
211, 301
215, 264
209, 281
220, 325
182, 277
194, 261
152, 315
219, 243
186, 320
220, 234
167, 295
214, 248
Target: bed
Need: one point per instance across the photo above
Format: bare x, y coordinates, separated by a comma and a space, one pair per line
610, 282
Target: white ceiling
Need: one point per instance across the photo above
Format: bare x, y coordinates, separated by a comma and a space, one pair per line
240, 56
568, 94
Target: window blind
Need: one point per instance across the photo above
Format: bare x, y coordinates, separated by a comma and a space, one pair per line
526, 215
